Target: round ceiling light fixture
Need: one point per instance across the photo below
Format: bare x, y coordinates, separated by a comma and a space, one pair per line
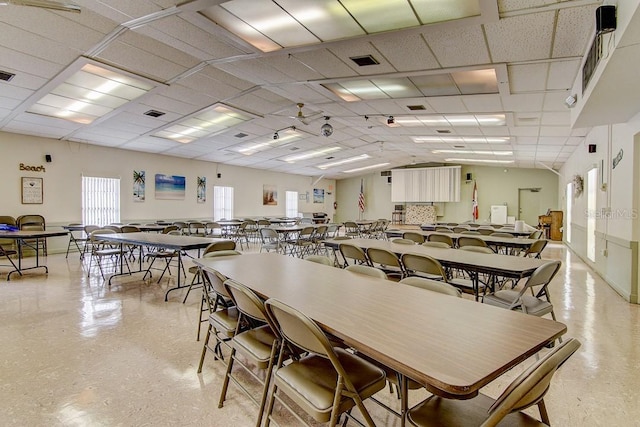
326, 129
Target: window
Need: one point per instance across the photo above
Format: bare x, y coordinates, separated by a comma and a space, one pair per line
569, 207
100, 200
222, 203
291, 204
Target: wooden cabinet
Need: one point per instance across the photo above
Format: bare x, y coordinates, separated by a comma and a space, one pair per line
551, 224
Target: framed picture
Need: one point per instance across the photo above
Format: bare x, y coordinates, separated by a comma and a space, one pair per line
31, 191
170, 187
201, 189
318, 195
138, 186
270, 195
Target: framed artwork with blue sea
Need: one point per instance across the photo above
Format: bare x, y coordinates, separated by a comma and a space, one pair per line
170, 187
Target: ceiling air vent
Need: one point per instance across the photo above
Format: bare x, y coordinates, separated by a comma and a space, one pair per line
443, 131
416, 107
329, 158
6, 76
241, 135
154, 113
294, 148
364, 60
385, 173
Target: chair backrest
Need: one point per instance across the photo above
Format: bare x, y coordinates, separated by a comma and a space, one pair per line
268, 234
366, 270
114, 228
332, 231
403, 241
319, 259
197, 228
89, 228
216, 280
247, 302
129, 229
435, 237
93, 234
478, 249
264, 223
444, 230
470, 232
216, 254
535, 234
530, 387
222, 245
437, 245
536, 249
460, 229
300, 330
502, 234
31, 222
471, 241
6, 219
542, 275
432, 285
412, 235
423, 264
383, 257
170, 228
353, 252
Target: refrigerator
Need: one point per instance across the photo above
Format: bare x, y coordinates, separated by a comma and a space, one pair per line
498, 214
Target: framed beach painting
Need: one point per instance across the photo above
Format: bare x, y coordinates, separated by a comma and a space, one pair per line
170, 187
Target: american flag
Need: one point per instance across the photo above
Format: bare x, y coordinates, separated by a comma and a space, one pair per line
474, 211
361, 197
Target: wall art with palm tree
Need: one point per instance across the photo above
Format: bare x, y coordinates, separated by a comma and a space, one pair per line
138, 186
202, 189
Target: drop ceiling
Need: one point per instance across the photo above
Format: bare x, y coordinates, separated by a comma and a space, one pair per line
512, 59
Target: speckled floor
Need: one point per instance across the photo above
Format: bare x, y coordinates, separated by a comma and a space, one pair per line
76, 352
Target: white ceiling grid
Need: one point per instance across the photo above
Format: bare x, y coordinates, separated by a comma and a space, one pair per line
536, 47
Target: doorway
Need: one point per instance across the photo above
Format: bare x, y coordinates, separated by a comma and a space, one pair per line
529, 205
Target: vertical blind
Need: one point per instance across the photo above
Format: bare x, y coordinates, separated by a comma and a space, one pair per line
426, 184
291, 204
100, 200
222, 203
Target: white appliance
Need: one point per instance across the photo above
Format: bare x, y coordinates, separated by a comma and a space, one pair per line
498, 214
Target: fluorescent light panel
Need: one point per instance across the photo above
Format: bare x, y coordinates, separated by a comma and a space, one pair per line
344, 161
89, 94
478, 161
458, 83
379, 165
310, 154
450, 120
461, 139
214, 119
285, 137
270, 25
478, 152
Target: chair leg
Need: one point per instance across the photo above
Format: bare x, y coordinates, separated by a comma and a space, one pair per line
225, 384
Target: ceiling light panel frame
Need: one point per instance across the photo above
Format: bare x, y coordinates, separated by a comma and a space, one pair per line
68, 83
204, 123
284, 24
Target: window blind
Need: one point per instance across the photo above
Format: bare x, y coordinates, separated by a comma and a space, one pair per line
100, 200
222, 203
291, 204
440, 184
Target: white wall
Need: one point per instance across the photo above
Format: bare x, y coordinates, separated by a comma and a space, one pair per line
495, 187
616, 213
70, 160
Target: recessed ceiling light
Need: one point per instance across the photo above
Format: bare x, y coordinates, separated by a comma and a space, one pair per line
343, 161
379, 165
461, 139
478, 152
478, 161
310, 154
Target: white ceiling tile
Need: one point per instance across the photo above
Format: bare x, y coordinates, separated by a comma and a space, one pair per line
562, 74
521, 38
406, 52
523, 102
528, 78
572, 38
458, 46
482, 103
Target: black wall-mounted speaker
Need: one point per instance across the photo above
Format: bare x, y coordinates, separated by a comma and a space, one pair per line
592, 148
469, 177
388, 180
605, 19
47, 157
219, 175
